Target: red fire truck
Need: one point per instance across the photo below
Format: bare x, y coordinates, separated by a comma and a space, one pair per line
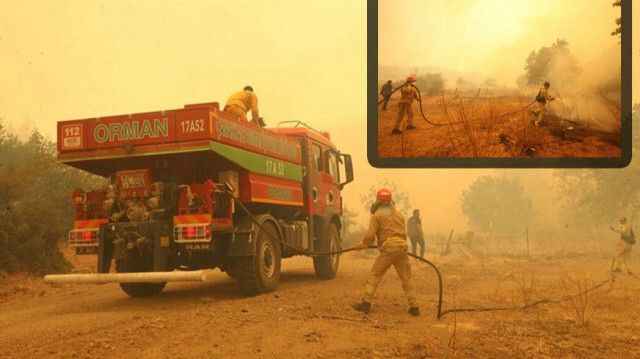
196, 188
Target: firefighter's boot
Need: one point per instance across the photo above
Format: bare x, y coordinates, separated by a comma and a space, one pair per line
364, 307
415, 311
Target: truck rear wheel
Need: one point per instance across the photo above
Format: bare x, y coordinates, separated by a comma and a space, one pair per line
326, 267
260, 273
139, 264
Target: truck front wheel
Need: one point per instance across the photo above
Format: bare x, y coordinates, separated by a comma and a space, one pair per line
260, 273
138, 264
326, 267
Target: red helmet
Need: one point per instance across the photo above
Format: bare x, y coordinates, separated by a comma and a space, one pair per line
411, 79
383, 195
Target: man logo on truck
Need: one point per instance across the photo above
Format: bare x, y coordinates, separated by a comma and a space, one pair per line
131, 130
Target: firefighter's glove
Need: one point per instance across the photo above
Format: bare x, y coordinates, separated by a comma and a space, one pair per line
261, 122
359, 247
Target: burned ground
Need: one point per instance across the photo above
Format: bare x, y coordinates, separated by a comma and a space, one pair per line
472, 129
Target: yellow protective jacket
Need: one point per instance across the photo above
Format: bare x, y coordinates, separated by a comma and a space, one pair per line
544, 95
624, 230
387, 225
246, 100
408, 93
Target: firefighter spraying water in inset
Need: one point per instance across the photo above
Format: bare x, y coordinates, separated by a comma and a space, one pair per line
408, 93
541, 99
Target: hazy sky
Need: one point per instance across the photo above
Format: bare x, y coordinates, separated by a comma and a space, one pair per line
493, 37
305, 59
75, 59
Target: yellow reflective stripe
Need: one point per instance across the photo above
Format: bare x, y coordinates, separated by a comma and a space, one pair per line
395, 240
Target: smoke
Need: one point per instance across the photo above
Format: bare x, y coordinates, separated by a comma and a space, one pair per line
588, 93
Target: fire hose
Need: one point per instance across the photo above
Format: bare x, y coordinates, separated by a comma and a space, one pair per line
440, 312
453, 123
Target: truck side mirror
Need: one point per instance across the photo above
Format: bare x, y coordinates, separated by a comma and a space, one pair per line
348, 169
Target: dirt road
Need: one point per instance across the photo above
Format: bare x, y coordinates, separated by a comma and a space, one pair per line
312, 318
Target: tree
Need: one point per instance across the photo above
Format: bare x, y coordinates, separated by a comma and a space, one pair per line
400, 198
489, 82
556, 60
36, 210
348, 219
429, 84
462, 83
497, 203
618, 30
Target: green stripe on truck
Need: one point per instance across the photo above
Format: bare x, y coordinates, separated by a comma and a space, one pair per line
259, 163
251, 161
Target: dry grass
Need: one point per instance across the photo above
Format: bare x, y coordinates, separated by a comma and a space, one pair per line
474, 128
580, 300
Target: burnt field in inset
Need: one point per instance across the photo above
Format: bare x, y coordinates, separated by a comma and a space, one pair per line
473, 127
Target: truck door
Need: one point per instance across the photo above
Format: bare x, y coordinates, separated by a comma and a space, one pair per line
311, 182
331, 181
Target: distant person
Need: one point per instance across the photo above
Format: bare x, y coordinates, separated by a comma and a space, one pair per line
414, 231
541, 99
623, 250
408, 93
386, 91
387, 225
241, 102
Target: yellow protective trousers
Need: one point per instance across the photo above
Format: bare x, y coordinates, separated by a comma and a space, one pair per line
541, 111
623, 254
398, 257
236, 111
402, 108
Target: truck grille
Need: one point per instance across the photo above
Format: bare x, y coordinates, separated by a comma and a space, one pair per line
83, 237
192, 233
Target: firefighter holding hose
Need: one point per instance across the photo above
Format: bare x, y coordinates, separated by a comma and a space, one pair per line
408, 93
541, 99
623, 250
388, 226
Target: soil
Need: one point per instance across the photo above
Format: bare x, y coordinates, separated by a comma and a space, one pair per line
308, 317
479, 134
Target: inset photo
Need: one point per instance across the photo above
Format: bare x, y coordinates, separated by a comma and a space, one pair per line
499, 83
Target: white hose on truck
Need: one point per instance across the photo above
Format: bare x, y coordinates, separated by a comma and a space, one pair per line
141, 277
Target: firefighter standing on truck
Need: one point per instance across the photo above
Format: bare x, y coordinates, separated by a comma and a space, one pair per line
623, 250
241, 102
541, 99
408, 93
387, 225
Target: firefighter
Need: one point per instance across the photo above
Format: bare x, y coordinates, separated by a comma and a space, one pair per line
623, 250
241, 102
387, 225
407, 94
414, 231
541, 99
386, 91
